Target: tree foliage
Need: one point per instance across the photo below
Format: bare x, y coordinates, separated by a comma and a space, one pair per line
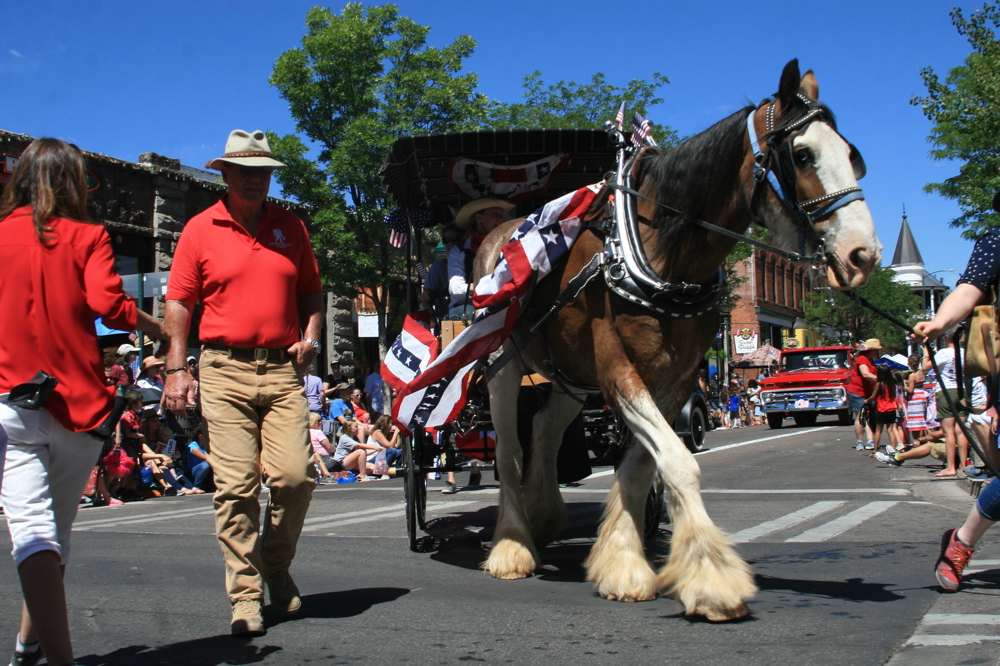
965, 110
846, 321
360, 80
569, 104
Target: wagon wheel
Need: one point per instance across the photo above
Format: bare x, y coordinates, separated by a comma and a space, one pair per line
414, 486
654, 500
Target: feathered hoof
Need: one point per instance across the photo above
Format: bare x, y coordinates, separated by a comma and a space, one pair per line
510, 560
723, 614
626, 579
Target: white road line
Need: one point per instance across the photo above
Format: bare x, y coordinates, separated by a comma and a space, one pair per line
784, 522
147, 518
949, 640
842, 524
608, 472
960, 618
806, 491
353, 517
979, 566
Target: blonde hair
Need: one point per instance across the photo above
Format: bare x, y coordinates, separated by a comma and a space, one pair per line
314, 419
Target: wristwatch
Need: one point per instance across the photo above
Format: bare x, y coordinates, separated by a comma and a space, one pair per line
315, 345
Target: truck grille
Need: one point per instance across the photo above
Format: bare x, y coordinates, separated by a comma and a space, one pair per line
833, 398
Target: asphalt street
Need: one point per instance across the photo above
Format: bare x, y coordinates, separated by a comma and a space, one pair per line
842, 548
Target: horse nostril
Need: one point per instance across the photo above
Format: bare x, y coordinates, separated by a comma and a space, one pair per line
861, 257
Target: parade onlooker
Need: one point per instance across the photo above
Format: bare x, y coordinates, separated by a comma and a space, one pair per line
386, 435
734, 404
352, 454
373, 389
196, 464
340, 408
314, 389
357, 406
124, 374
332, 381
883, 398
860, 387
150, 375
251, 266
323, 450
953, 436
45, 231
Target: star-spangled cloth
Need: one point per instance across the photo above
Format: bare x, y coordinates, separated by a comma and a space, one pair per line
413, 350
436, 395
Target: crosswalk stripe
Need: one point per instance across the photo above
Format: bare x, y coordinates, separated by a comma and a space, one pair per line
949, 640
135, 520
960, 618
979, 566
352, 518
784, 522
842, 524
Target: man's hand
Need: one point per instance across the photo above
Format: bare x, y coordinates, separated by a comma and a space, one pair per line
179, 392
302, 353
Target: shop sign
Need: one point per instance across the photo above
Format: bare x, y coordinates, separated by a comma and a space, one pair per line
744, 341
7, 164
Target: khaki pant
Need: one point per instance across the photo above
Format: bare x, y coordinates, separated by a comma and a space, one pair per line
257, 416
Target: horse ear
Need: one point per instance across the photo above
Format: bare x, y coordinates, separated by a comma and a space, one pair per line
810, 86
790, 82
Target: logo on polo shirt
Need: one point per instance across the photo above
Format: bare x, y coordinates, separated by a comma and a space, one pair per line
279, 239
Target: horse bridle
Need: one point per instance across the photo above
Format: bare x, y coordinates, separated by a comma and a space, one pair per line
775, 165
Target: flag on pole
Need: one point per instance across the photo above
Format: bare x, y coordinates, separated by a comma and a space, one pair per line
401, 220
641, 127
436, 395
413, 350
620, 117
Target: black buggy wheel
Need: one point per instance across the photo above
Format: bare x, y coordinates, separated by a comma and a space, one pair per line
414, 487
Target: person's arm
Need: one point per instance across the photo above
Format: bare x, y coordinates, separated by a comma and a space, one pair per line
954, 309
864, 369
178, 388
457, 286
197, 452
871, 398
310, 320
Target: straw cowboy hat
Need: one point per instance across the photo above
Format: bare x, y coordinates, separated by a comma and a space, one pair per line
465, 213
872, 344
247, 149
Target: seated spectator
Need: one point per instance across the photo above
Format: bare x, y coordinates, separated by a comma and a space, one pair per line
150, 377
930, 444
386, 435
323, 451
195, 459
352, 455
357, 406
340, 409
123, 375
129, 436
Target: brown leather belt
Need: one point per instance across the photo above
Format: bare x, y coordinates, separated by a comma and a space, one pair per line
251, 354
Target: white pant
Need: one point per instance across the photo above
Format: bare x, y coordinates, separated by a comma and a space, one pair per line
47, 468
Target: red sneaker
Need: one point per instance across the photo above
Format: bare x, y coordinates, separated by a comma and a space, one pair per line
951, 563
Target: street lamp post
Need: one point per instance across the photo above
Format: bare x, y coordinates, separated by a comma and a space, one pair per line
924, 283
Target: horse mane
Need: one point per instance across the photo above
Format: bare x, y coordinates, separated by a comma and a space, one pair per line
695, 177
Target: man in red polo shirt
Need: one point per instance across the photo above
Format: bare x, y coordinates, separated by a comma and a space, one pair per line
252, 267
862, 382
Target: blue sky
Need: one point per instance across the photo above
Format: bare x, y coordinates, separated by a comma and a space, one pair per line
122, 78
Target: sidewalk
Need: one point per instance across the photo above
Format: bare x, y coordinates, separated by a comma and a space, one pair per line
961, 627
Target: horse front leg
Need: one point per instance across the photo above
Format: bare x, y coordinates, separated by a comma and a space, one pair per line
617, 563
544, 504
513, 554
703, 572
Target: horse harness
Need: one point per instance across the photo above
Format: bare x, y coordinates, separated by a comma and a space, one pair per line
626, 267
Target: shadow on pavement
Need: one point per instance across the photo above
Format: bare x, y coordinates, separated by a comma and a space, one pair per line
852, 589
225, 649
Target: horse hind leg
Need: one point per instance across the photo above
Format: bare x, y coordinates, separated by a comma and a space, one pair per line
513, 554
545, 508
617, 563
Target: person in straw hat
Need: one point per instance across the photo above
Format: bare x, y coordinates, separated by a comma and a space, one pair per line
863, 378
251, 265
478, 217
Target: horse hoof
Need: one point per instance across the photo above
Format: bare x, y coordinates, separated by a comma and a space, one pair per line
724, 614
509, 560
630, 597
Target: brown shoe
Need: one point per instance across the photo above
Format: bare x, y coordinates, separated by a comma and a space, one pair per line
284, 594
247, 618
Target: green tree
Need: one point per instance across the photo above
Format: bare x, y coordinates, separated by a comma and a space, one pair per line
847, 321
360, 80
965, 110
568, 104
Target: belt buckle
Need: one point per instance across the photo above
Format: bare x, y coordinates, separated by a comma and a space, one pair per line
260, 353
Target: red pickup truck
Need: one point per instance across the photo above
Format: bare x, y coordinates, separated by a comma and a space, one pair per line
809, 382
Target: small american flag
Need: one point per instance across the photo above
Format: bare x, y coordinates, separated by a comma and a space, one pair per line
400, 220
641, 127
421, 270
620, 118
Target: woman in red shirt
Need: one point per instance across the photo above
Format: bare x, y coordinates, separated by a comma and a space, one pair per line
883, 396
56, 276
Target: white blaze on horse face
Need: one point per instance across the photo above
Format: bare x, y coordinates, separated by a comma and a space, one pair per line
850, 232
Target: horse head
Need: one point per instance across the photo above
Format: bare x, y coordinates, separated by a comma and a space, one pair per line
806, 181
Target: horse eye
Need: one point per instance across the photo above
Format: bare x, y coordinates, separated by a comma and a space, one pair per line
804, 157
